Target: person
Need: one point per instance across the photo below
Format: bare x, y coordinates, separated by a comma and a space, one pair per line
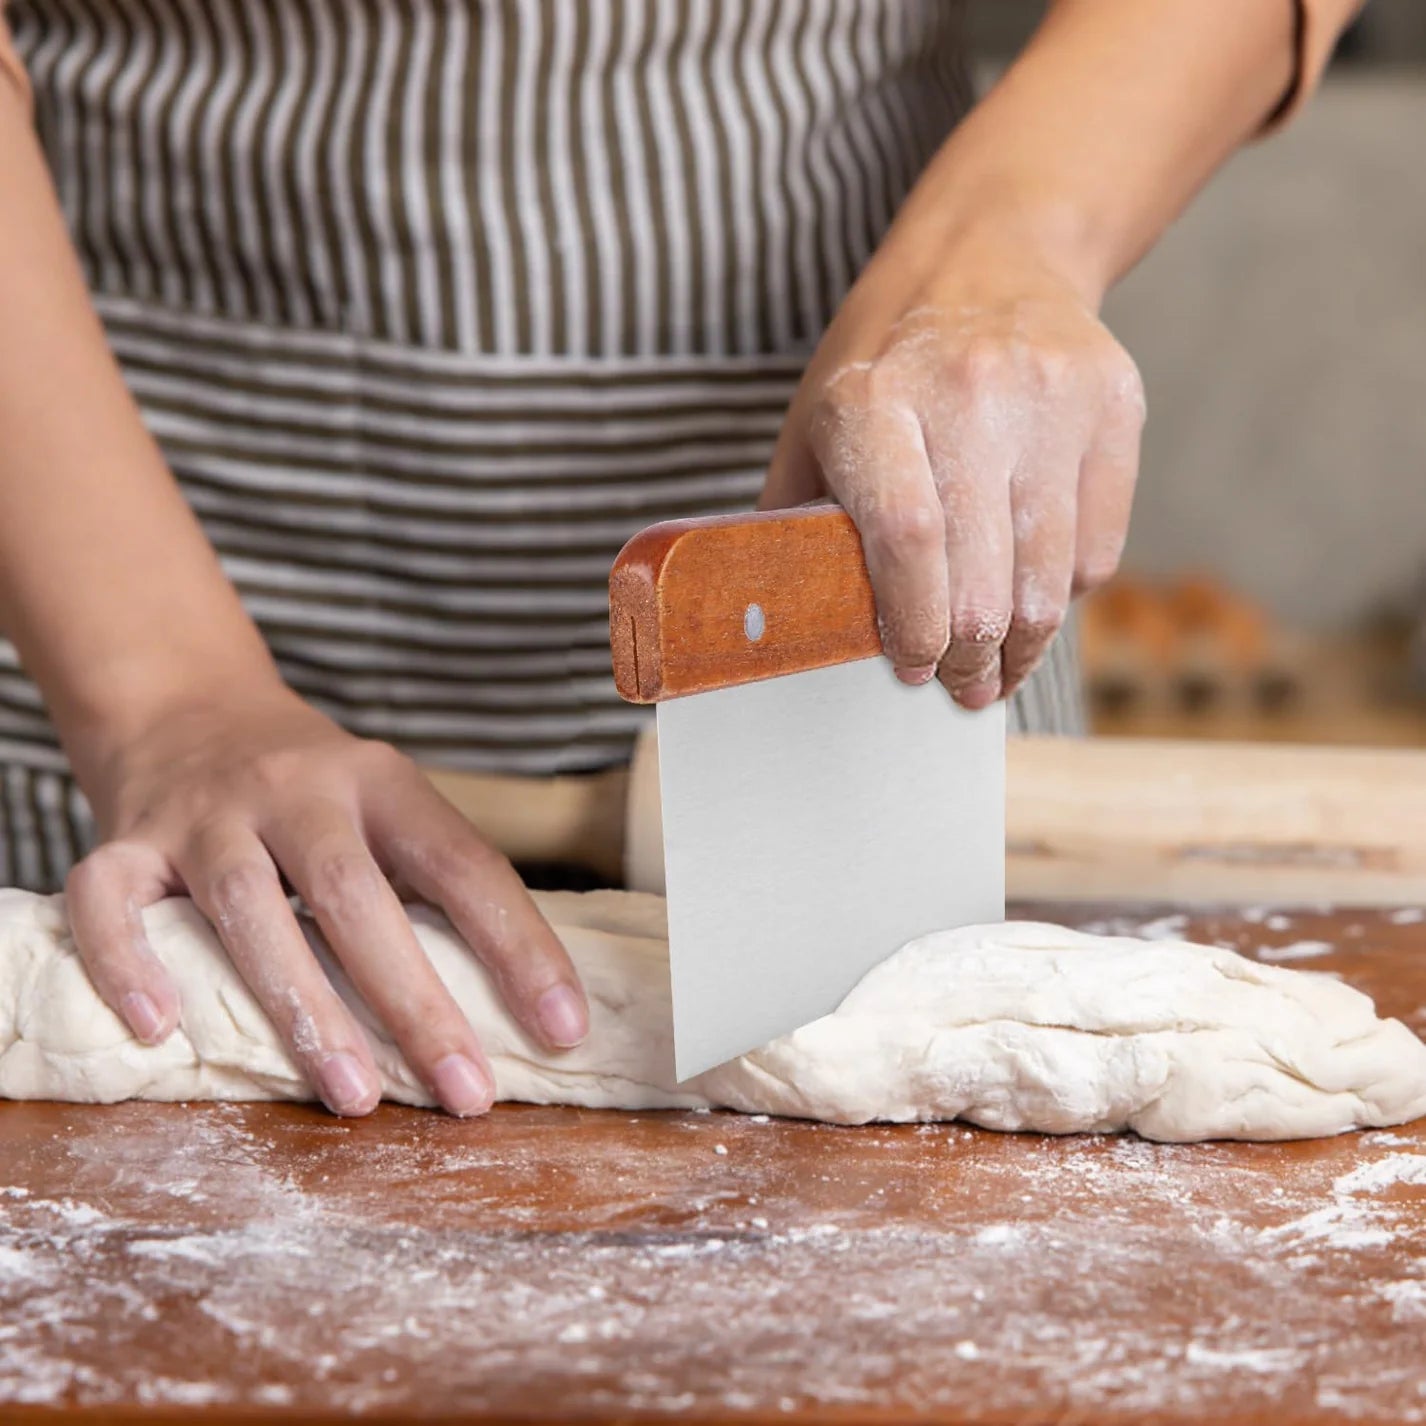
378, 325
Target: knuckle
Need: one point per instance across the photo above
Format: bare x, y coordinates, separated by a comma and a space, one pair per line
1015, 372
913, 639
524, 970
976, 626
884, 384
983, 363
1052, 368
1124, 387
840, 403
847, 387
429, 1025
384, 761
340, 877
276, 770
235, 886
903, 524
1038, 624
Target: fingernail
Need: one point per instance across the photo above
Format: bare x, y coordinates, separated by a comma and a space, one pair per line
917, 676
345, 1086
461, 1086
143, 1017
563, 1016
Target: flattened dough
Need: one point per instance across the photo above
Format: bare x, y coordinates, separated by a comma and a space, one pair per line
1018, 1026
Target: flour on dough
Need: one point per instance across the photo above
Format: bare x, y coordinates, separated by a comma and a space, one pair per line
1012, 1027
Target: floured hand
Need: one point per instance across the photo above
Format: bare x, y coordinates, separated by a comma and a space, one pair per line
981, 427
225, 797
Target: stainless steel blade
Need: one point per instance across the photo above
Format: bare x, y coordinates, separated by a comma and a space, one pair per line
812, 825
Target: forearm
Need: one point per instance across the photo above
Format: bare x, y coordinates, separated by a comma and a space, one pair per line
107, 585
1100, 133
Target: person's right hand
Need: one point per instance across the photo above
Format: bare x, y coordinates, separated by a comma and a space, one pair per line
980, 424
223, 799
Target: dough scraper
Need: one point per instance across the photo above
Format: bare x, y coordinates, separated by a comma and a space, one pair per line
818, 813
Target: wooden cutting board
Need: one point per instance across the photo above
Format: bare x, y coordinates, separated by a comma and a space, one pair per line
271, 1263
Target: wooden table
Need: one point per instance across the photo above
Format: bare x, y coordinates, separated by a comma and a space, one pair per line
269, 1262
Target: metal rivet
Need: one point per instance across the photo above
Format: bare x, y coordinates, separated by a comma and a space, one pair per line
754, 622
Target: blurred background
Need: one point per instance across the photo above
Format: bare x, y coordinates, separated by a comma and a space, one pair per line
1275, 580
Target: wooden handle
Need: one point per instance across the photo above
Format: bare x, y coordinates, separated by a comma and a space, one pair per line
702, 604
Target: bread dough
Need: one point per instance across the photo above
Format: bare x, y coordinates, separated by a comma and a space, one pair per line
1018, 1026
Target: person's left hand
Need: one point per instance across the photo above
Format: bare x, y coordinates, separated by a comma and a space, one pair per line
981, 427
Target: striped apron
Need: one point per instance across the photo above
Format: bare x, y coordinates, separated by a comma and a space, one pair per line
432, 303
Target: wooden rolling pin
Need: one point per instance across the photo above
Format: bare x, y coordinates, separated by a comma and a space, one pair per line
1095, 819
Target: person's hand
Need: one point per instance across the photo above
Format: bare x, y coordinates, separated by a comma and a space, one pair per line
225, 797
981, 427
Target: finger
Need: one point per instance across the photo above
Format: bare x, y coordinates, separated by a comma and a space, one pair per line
793, 476
106, 894
234, 884
1107, 478
971, 464
432, 848
1043, 497
873, 455
327, 860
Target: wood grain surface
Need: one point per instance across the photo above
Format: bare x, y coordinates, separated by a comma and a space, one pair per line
679, 593
270, 1263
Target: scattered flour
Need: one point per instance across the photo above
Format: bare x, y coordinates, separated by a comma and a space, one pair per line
1348, 1222
1383, 1173
1338, 1225
1272, 1360
1001, 1235
360, 1298
1163, 928
1407, 1297
1296, 951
